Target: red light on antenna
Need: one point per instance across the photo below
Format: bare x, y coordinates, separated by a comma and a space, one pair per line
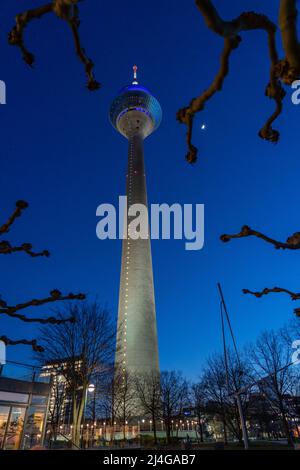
134, 72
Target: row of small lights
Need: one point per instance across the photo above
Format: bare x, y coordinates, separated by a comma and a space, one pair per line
127, 257
127, 264
126, 422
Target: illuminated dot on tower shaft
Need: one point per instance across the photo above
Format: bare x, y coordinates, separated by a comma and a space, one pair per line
135, 113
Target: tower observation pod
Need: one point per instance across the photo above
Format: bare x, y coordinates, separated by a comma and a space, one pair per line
136, 113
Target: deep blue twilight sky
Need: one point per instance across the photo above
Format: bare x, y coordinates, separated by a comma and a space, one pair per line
60, 153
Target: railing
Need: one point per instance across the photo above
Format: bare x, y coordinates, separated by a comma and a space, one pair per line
20, 371
71, 444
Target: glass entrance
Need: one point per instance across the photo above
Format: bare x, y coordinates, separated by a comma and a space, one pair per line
15, 428
11, 426
34, 427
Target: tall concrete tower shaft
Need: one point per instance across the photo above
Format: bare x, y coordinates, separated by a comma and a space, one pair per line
136, 114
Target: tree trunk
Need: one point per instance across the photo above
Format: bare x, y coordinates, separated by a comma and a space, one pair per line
201, 429
286, 429
74, 428
168, 431
77, 419
285, 423
224, 429
154, 429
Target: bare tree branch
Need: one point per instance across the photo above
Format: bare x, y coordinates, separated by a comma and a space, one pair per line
7, 249
20, 206
297, 312
66, 10
186, 115
33, 343
51, 320
55, 295
15, 36
287, 70
292, 242
266, 291
88, 63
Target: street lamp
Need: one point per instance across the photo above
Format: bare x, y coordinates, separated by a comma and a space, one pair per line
90, 389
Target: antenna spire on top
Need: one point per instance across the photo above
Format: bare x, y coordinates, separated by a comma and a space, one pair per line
135, 82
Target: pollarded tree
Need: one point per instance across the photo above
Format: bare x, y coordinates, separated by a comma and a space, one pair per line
282, 71
66, 10
292, 243
13, 311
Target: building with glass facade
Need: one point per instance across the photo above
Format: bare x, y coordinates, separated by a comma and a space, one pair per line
24, 401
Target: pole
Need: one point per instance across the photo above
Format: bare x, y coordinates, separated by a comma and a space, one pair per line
242, 419
237, 395
85, 403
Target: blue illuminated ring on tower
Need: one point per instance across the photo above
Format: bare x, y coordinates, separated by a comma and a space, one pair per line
135, 97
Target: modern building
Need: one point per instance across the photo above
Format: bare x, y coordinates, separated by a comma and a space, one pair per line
135, 113
24, 401
61, 400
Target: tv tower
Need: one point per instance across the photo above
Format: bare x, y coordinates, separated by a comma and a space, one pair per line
136, 113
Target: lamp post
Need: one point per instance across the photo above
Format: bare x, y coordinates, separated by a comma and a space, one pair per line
104, 424
90, 389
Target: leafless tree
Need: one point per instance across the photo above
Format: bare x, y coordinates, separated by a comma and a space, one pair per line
66, 10
80, 350
221, 382
12, 311
148, 391
282, 71
107, 400
174, 391
125, 401
100, 403
271, 359
214, 380
198, 400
